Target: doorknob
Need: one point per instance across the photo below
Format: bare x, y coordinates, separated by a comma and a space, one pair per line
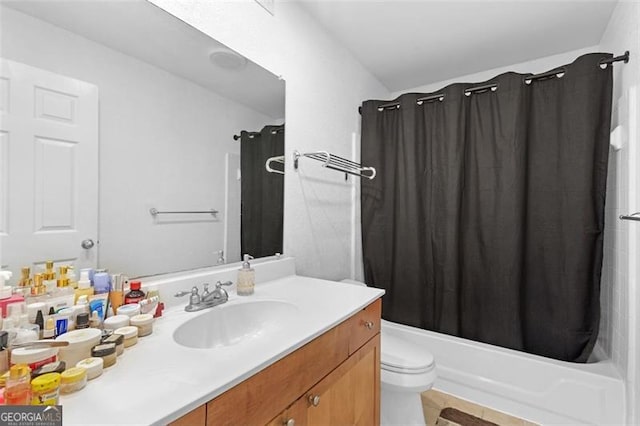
87, 244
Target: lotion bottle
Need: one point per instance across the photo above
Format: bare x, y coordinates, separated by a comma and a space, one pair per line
84, 286
246, 278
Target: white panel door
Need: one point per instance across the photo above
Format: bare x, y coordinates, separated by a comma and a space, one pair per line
48, 168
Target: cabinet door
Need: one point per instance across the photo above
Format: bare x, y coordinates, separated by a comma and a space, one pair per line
350, 395
295, 415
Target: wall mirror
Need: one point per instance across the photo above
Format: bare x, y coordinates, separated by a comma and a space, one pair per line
117, 145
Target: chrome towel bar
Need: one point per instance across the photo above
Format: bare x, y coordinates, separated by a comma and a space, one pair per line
334, 162
154, 212
633, 216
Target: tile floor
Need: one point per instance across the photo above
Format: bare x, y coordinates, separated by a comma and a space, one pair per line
434, 401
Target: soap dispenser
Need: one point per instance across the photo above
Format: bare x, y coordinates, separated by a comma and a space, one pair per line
246, 278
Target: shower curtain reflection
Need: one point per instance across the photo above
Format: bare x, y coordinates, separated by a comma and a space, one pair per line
486, 218
262, 193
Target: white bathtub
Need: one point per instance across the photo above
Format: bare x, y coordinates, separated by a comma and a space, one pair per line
531, 387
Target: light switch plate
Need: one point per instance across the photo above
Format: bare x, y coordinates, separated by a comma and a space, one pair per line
268, 5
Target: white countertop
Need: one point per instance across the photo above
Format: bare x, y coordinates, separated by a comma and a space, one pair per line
158, 380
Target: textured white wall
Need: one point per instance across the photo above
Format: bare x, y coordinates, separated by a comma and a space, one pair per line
163, 141
619, 333
325, 86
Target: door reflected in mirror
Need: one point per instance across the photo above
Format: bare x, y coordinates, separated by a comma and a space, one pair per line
112, 109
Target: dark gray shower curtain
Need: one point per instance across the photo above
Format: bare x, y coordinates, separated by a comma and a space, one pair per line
262, 192
486, 218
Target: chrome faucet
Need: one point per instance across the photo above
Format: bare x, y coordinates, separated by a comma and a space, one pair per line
209, 299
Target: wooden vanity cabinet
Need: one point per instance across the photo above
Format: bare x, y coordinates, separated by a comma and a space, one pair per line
334, 379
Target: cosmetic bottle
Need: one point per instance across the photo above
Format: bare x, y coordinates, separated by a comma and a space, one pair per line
38, 288
135, 294
49, 331
25, 278
84, 286
49, 277
18, 387
246, 278
101, 282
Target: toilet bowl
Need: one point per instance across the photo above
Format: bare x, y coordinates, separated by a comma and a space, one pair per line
407, 370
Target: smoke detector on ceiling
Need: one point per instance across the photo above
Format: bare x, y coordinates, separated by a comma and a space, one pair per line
228, 59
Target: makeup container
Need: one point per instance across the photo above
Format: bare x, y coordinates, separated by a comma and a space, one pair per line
116, 321
130, 334
129, 310
73, 379
34, 358
45, 389
106, 351
93, 366
144, 322
52, 367
80, 344
118, 340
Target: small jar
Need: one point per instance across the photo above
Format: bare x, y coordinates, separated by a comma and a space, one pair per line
73, 379
82, 321
34, 358
106, 351
118, 340
93, 366
52, 367
144, 322
130, 334
45, 389
129, 310
116, 321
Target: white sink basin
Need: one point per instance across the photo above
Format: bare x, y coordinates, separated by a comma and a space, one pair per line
227, 325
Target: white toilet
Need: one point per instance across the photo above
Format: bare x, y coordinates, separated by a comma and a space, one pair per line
407, 370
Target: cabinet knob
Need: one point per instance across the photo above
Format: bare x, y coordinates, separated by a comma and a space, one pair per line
314, 400
290, 422
368, 324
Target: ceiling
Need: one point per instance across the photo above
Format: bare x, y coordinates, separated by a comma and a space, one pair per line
406, 44
163, 41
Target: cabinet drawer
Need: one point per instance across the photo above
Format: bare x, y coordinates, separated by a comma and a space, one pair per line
364, 325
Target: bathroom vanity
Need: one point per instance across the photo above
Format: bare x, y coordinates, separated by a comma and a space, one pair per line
299, 349
334, 379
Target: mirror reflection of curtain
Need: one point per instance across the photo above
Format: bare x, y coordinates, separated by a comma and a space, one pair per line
262, 192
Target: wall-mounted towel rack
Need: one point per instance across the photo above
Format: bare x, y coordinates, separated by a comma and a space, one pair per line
154, 212
334, 162
633, 216
279, 159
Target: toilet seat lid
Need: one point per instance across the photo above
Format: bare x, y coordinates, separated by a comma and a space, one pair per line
401, 355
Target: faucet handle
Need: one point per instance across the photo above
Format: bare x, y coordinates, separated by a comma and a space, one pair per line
182, 293
206, 289
219, 284
194, 299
